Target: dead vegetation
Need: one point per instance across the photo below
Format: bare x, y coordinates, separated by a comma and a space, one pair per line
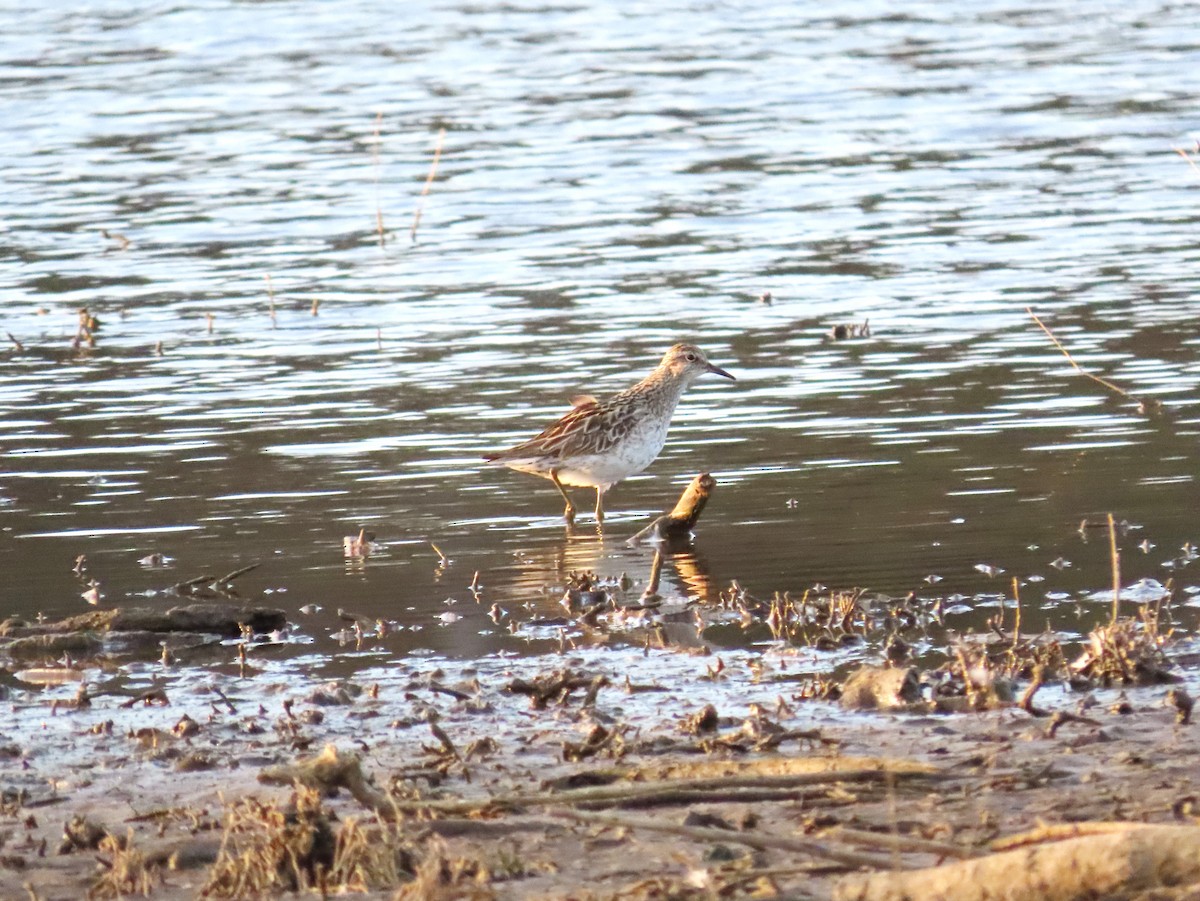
267, 848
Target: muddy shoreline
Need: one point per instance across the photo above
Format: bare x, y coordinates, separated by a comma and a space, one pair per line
472, 756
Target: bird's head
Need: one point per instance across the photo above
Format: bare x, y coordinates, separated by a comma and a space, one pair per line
688, 362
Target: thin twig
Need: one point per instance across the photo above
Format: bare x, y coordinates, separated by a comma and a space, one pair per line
1095, 378
1017, 626
1183, 153
271, 298
437, 155
1059, 832
901, 842
1116, 567
377, 140
1026, 703
229, 577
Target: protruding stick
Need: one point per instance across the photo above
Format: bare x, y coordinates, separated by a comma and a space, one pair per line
680, 521
437, 155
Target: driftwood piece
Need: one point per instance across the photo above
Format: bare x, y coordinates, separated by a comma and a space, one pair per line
1113, 864
671, 792
332, 769
222, 619
680, 521
761, 841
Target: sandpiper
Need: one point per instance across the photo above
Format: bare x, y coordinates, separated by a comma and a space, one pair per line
599, 443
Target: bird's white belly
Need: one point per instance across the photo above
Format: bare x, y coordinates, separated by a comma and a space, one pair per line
639, 449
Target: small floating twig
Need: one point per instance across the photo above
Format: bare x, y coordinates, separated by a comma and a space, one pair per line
1187, 156
1143, 405
122, 241
437, 155
229, 577
375, 145
189, 584
271, 298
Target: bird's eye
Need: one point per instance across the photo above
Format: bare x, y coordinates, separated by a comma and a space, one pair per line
691, 358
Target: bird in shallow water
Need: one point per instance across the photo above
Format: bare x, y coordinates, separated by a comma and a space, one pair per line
599, 443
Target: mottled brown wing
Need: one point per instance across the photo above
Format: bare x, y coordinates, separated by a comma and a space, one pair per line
589, 428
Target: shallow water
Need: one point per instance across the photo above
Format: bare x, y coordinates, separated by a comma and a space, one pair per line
610, 181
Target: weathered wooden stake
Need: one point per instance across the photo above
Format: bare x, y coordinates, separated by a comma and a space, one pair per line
680, 521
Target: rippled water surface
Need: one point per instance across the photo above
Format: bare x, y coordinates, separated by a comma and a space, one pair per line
209, 179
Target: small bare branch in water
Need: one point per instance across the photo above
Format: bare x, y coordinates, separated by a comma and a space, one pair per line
226, 580
188, 585
1116, 567
376, 141
122, 241
437, 155
17, 344
1144, 406
271, 298
1188, 156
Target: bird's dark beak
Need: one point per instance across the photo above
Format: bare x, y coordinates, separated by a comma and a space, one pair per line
717, 370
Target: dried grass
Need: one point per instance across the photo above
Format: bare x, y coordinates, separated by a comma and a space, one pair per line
127, 871
269, 849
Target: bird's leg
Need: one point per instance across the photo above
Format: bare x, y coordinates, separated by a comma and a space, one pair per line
599, 504
569, 513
